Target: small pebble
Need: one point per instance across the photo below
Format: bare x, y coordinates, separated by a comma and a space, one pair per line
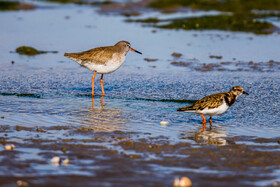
10, 147
150, 59
177, 55
214, 56
183, 182
276, 184
40, 130
64, 150
164, 123
55, 161
22, 183
176, 182
65, 162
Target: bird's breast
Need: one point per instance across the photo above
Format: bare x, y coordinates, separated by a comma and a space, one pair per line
216, 111
108, 67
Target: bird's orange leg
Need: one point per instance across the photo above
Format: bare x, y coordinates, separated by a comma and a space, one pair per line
204, 123
101, 82
92, 102
92, 89
203, 127
204, 119
101, 101
210, 120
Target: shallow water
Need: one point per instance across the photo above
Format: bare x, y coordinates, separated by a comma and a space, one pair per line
47, 109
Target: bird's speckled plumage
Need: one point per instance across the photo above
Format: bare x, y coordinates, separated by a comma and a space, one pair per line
211, 102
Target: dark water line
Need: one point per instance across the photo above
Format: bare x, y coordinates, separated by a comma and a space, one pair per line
22, 95
33, 95
141, 99
166, 100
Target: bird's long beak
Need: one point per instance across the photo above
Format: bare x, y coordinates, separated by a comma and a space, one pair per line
131, 49
245, 93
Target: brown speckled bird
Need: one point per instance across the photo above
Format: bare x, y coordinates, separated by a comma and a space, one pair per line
102, 60
214, 104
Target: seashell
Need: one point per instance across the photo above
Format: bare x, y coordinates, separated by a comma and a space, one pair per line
164, 123
65, 162
10, 147
185, 182
55, 161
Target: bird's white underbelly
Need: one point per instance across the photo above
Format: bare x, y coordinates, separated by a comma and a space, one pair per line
108, 67
215, 111
103, 69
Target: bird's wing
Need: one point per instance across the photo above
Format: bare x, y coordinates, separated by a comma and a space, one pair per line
99, 55
211, 101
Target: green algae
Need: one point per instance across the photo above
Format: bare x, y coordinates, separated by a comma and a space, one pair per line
225, 6
249, 22
15, 5
242, 15
62, 1
8, 5
148, 20
21, 95
236, 22
81, 2
30, 51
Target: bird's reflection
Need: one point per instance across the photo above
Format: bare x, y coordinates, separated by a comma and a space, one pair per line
100, 118
210, 136
101, 102
204, 126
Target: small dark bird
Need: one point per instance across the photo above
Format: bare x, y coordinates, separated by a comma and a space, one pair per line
215, 104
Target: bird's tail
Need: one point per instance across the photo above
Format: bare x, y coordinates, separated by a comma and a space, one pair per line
187, 109
73, 56
67, 54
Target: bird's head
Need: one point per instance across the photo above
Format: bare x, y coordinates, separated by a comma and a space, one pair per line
125, 46
237, 91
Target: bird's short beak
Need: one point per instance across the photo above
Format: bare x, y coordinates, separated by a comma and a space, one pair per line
131, 49
245, 93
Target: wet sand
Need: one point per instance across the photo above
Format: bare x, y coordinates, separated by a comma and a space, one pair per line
46, 109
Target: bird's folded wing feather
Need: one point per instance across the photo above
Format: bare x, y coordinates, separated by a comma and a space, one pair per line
211, 101
99, 55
